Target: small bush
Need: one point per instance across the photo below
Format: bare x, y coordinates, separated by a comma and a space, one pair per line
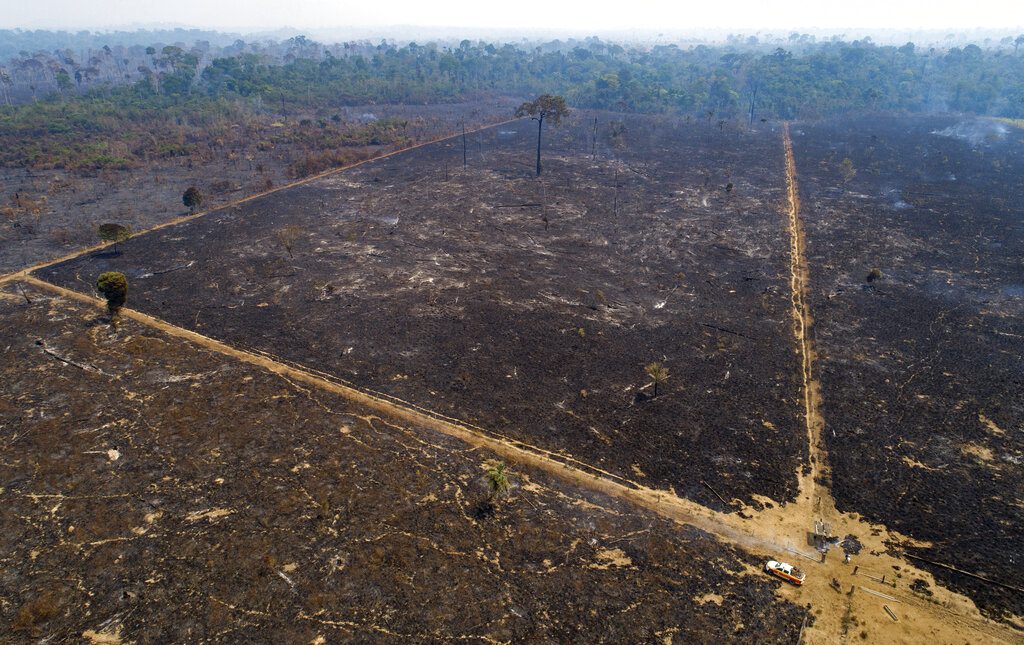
313, 164
192, 198
847, 170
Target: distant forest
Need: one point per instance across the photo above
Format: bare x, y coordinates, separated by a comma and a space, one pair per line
81, 83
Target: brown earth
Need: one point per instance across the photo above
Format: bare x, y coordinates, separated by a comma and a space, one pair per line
160, 492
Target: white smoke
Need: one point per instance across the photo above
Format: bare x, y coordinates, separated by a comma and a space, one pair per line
975, 132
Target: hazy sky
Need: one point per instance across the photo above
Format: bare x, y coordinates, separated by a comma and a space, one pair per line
568, 15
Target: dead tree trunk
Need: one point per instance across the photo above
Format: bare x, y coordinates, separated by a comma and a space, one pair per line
540, 129
753, 101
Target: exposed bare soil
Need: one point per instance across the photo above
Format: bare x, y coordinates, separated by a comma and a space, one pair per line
922, 368
528, 307
154, 491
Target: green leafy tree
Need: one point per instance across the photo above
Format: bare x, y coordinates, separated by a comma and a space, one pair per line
192, 198
658, 374
113, 285
544, 107
64, 82
182, 64
115, 233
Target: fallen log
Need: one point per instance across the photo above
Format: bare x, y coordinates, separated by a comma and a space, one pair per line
722, 499
67, 361
723, 329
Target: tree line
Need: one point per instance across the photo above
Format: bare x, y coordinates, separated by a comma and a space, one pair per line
729, 80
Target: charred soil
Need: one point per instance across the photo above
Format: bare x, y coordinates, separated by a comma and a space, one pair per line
155, 491
527, 306
921, 360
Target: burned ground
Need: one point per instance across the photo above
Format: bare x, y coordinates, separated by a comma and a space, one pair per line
529, 307
921, 364
160, 492
48, 211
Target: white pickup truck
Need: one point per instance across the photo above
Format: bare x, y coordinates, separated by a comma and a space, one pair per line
786, 571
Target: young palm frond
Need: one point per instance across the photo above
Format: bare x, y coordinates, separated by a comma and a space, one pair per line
658, 374
497, 480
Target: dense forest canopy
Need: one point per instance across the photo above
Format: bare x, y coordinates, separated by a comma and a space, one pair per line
739, 78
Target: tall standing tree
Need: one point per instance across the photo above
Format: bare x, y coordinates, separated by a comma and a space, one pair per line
192, 198
5, 83
113, 285
115, 233
545, 106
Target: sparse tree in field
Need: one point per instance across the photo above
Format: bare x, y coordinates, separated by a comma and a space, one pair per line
617, 134
288, 236
115, 233
847, 170
497, 481
658, 374
874, 274
5, 83
192, 198
113, 285
545, 106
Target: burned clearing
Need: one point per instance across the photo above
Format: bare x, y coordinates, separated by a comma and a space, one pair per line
156, 491
50, 209
529, 307
529, 310
921, 361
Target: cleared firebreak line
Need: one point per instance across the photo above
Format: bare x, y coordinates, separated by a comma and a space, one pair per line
802, 321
